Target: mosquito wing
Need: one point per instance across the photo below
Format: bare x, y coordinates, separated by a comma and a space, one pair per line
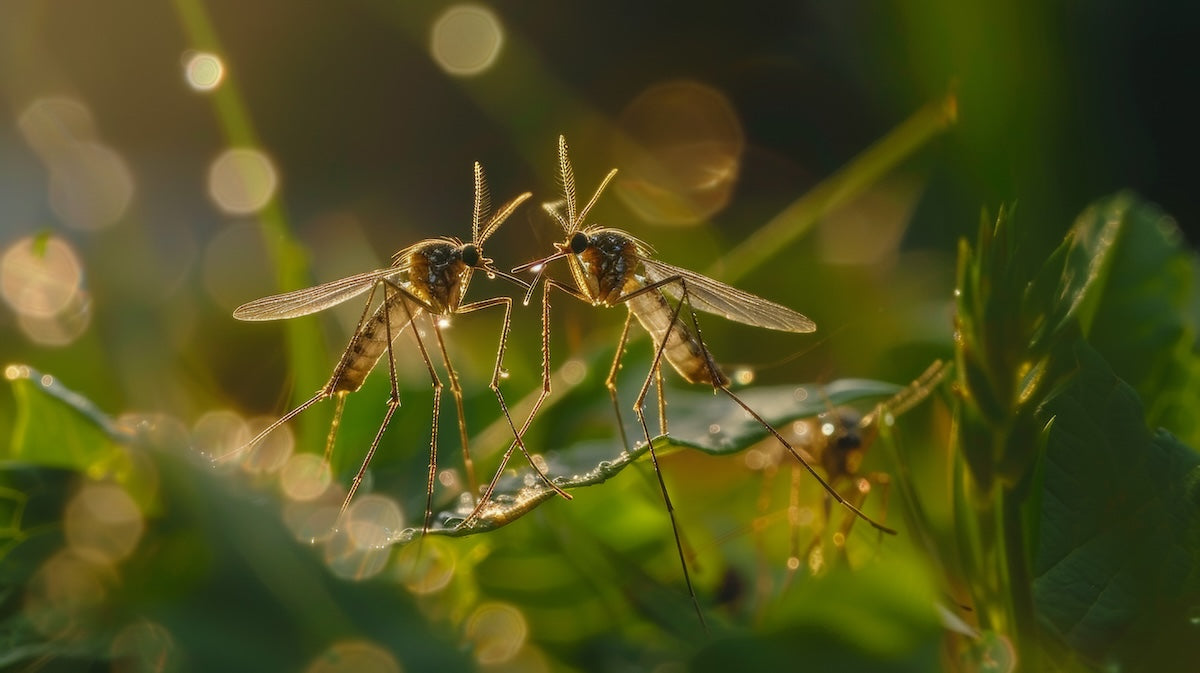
720, 299
312, 299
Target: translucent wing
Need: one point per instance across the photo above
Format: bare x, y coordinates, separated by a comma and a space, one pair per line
312, 299
720, 299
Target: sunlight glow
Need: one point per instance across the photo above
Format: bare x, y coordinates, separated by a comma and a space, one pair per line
144, 647
203, 71
466, 40
360, 548
91, 186
102, 523
425, 568
219, 434
498, 631
680, 151
305, 476
65, 597
354, 656
242, 180
40, 276
272, 452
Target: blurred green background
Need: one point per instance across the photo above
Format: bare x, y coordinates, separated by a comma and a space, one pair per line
363, 120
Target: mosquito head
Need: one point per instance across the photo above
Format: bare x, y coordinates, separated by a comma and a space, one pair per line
578, 243
471, 256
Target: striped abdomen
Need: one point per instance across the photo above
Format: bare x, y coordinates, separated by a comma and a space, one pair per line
369, 343
685, 353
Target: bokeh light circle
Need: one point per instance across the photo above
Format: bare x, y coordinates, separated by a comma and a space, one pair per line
220, 435
425, 567
39, 277
680, 152
498, 631
102, 523
272, 452
65, 596
305, 476
144, 647
203, 71
466, 40
355, 656
242, 180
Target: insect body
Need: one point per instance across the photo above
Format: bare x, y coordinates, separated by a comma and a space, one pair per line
611, 267
431, 277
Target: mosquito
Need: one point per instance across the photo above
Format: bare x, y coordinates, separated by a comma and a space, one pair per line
611, 267
839, 439
430, 277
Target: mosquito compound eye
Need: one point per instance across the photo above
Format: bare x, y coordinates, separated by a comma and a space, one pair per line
470, 255
579, 242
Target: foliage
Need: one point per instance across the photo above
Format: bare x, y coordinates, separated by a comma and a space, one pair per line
1079, 534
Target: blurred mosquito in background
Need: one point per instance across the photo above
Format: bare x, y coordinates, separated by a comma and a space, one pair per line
838, 440
431, 277
611, 267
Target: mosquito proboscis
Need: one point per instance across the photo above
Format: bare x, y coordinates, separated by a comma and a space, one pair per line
430, 277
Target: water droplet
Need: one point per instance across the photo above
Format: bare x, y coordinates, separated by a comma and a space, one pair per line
604, 465
503, 373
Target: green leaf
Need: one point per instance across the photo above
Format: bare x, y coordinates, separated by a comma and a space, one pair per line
56, 427
1117, 564
1141, 325
710, 422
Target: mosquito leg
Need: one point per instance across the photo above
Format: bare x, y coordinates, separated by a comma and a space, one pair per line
506, 302
321, 395
491, 487
863, 489
434, 423
639, 408
393, 400
611, 381
456, 392
794, 559
333, 426
662, 485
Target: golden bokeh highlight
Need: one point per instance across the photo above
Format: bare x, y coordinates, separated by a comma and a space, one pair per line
362, 544
497, 631
62, 328
304, 477
102, 523
91, 186
680, 151
65, 597
144, 647
425, 567
220, 435
39, 276
312, 522
466, 40
155, 429
203, 71
272, 452
355, 656
242, 180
